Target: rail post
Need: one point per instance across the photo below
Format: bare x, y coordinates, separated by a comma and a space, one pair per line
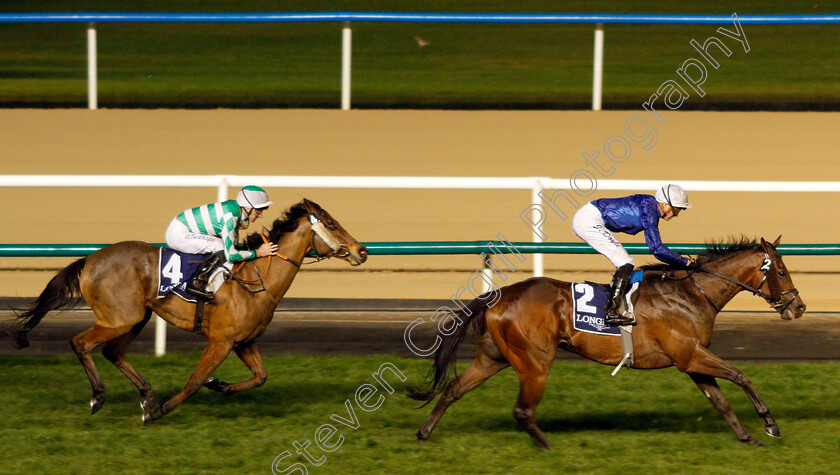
598, 67
535, 200
346, 43
160, 336
91, 53
487, 271
222, 191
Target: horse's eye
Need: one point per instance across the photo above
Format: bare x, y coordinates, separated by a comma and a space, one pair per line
782, 273
332, 227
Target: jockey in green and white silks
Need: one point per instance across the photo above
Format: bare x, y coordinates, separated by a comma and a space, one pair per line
213, 229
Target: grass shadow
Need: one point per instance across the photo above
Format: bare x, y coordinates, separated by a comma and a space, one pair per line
660, 421
276, 400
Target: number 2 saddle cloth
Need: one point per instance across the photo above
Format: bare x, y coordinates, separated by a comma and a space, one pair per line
175, 269
590, 305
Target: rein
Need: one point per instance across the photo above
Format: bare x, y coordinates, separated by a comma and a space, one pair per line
248, 284
691, 276
777, 303
318, 230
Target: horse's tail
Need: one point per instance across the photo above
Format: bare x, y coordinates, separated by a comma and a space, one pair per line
62, 291
473, 318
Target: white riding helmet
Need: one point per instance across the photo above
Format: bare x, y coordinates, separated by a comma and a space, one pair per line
673, 195
253, 197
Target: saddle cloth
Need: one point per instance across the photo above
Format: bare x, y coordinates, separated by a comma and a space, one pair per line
590, 304
175, 269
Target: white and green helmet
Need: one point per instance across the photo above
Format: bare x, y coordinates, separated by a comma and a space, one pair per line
253, 197
673, 195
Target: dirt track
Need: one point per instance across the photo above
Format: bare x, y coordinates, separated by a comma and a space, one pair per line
690, 145
313, 326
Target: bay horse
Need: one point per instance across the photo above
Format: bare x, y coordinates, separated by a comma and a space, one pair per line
119, 282
675, 312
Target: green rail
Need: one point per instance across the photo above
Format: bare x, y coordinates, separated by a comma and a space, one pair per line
436, 247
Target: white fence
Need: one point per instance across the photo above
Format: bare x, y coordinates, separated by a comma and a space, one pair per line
535, 184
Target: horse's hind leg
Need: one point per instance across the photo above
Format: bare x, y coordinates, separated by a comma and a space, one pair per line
482, 368
532, 363
706, 363
213, 355
250, 355
115, 350
82, 344
531, 389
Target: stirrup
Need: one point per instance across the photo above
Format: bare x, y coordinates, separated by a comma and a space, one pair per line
612, 320
208, 296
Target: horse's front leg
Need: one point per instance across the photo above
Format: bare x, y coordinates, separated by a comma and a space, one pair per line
213, 355
705, 362
710, 389
250, 355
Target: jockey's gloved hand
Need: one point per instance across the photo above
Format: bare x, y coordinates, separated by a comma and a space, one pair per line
691, 263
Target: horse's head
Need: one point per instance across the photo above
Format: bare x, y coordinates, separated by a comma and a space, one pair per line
783, 295
330, 239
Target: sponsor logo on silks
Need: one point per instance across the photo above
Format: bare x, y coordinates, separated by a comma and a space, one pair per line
590, 303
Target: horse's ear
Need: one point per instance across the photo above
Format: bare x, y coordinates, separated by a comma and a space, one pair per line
777, 241
766, 246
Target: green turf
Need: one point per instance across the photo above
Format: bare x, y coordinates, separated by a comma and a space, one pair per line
465, 66
654, 422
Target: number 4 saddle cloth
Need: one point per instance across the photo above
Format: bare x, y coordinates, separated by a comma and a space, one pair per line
175, 269
590, 305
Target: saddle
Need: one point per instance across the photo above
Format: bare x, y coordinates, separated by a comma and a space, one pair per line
175, 270
590, 301
589, 304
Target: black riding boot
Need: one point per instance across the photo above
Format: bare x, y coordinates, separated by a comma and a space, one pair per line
616, 303
198, 284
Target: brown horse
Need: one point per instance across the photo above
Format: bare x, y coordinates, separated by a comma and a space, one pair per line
119, 283
675, 310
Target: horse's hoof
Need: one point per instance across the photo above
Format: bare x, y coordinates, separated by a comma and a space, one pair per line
543, 444
216, 385
149, 417
96, 405
773, 431
149, 406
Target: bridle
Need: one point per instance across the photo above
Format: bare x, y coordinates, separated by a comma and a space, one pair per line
766, 266
319, 230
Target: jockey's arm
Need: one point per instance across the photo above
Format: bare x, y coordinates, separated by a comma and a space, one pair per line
650, 223
229, 238
660, 250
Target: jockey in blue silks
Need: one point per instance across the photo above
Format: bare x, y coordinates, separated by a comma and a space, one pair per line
596, 221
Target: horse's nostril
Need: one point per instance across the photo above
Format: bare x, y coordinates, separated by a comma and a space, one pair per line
363, 251
801, 308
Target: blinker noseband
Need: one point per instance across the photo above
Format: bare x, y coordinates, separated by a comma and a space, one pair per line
320, 230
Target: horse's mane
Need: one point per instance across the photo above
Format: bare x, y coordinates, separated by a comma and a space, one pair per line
714, 251
283, 225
